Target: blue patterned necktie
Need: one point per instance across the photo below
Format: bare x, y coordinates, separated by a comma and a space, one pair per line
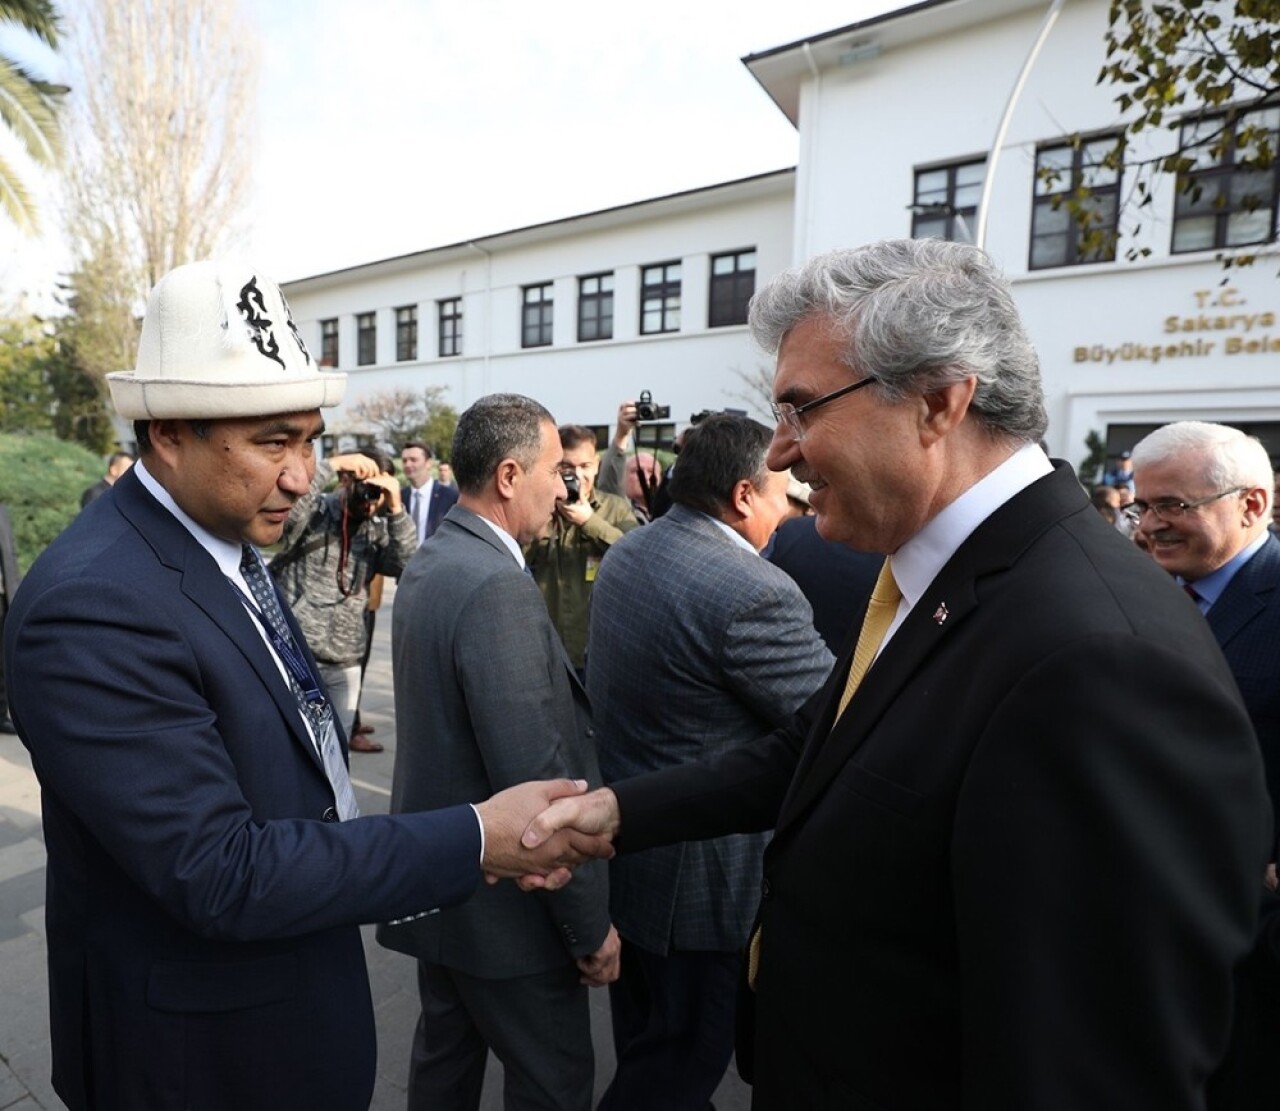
317, 711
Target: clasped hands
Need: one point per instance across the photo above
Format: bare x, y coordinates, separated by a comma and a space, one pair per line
536, 833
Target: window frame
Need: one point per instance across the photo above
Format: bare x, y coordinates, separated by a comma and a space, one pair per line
329, 341
448, 327
537, 317
733, 305
1224, 169
600, 303
955, 215
665, 292
1043, 195
407, 334
366, 339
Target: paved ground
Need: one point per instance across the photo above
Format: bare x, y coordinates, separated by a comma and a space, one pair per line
24, 1044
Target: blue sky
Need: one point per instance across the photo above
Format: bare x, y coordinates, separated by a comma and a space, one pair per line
390, 126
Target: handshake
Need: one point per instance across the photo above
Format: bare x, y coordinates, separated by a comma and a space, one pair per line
536, 833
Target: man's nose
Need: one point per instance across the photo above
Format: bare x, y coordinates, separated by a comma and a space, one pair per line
784, 450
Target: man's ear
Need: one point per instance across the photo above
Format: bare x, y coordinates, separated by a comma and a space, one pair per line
742, 497
944, 408
167, 436
507, 476
1257, 503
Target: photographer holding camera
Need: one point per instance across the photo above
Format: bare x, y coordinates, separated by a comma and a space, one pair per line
333, 546
585, 524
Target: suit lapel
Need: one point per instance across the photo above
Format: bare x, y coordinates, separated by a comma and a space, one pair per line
205, 585
949, 601
1247, 594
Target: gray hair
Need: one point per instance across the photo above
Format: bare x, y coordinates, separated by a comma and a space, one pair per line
1225, 456
497, 427
916, 315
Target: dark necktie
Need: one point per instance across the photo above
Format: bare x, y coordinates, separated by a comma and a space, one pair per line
317, 711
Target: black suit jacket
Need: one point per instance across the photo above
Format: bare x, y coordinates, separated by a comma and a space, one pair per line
203, 901
1018, 871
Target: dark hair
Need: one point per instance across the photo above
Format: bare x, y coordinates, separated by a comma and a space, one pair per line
424, 448
718, 453
497, 427
142, 433
571, 435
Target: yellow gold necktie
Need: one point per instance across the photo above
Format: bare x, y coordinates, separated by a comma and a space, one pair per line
881, 611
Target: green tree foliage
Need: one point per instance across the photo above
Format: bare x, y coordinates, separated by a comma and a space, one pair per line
28, 108
42, 389
402, 415
1199, 69
1089, 472
41, 480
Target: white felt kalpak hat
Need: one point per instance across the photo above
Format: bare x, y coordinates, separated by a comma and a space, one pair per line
218, 341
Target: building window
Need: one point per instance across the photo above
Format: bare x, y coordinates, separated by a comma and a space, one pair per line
595, 307
366, 339
536, 312
660, 298
407, 334
1219, 202
945, 203
1076, 203
450, 318
329, 342
733, 281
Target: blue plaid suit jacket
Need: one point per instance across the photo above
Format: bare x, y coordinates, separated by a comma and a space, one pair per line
696, 646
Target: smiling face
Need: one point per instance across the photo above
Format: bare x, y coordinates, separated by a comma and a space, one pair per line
417, 467
1199, 541
859, 454
241, 479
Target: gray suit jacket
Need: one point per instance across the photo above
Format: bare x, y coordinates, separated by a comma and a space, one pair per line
697, 645
485, 698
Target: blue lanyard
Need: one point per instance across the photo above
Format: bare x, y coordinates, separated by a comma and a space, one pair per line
291, 655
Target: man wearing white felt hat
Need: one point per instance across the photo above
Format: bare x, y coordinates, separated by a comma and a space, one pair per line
206, 867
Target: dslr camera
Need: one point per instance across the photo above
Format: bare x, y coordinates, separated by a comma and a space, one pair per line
646, 410
573, 487
365, 493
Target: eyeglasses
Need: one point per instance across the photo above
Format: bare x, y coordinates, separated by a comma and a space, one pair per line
1170, 509
786, 413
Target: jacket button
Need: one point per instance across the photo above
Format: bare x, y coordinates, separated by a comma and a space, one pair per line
590, 732
330, 815
766, 892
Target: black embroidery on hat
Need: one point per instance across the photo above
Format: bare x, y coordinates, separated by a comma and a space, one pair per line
253, 307
297, 336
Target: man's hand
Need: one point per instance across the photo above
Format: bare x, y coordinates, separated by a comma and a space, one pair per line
603, 966
361, 466
544, 864
579, 513
626, 425
390, 490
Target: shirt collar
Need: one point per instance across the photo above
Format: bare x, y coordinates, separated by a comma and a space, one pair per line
507, 539
224, 552
736, 537
917, 563
1210, 588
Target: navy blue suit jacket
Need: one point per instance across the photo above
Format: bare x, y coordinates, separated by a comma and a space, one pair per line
1246, 622
442, 497
202, 902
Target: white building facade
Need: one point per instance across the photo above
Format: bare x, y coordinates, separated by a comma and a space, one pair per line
900, 112
896, 117
581, 314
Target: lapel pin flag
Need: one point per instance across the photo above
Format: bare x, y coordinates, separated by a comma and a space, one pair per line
941, 613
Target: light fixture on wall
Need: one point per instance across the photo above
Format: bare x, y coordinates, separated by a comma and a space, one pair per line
861, 51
